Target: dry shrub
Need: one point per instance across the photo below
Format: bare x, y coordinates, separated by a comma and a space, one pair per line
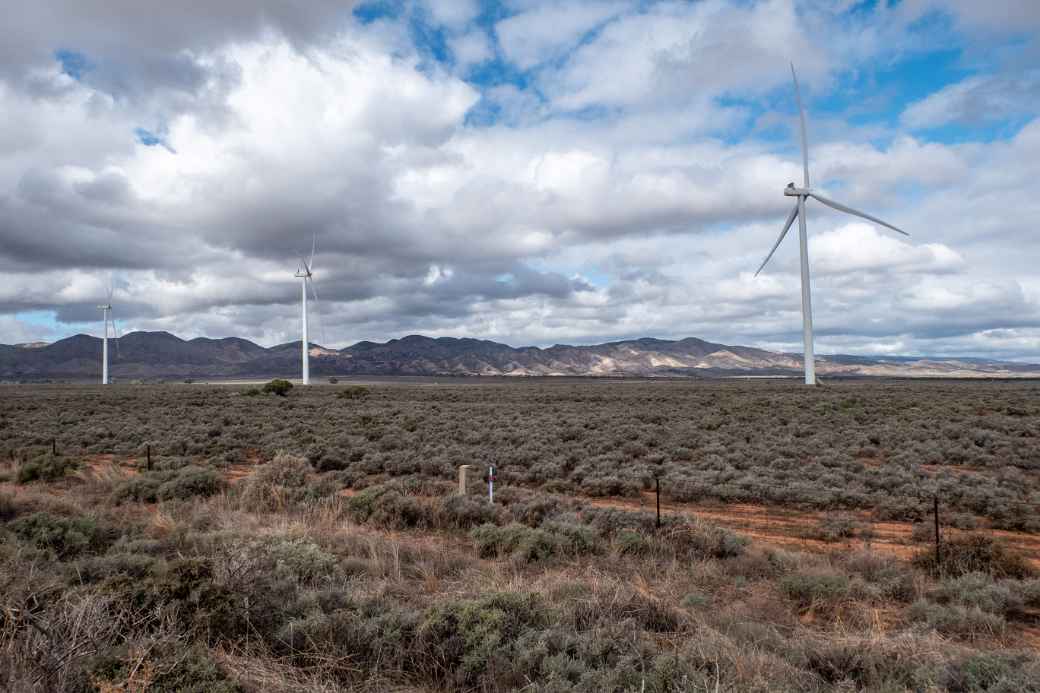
974, 553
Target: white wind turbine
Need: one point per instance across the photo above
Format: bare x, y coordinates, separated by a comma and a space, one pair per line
306, 276
106, 311
803, 194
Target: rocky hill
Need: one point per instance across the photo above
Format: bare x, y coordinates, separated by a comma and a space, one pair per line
161, 355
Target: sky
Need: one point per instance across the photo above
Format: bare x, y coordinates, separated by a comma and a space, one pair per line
524, 171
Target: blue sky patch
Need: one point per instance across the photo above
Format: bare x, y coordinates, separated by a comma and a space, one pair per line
73, 64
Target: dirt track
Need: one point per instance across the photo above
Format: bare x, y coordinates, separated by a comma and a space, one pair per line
794, 528
771, 525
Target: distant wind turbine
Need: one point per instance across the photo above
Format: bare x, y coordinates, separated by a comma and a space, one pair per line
306, 276
106, 313
803, 194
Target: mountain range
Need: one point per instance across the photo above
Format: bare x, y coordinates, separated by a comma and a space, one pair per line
161, 355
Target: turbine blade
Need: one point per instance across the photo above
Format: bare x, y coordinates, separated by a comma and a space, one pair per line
115, 329
787, 227
317, 310
314, 246
849, 210
801, 118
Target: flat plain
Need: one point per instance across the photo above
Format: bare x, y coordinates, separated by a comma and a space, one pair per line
316, 542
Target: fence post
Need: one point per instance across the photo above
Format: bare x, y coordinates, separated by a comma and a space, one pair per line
148, 452
463, 474
657, 481
54, 447
938, 549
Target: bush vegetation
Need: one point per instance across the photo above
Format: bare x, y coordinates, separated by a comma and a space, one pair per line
316, 542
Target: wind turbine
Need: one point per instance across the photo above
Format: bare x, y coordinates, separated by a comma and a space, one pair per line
306, 276
106, 311
803, 194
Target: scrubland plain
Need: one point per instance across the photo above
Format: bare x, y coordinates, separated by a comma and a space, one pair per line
312, 540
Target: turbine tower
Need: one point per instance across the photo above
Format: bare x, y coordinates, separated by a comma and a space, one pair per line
306, 277
803, 194
106, 309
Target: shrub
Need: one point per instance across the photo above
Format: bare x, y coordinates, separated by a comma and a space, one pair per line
354, 392
835, 526
191, 672
968, 622
631, 542
464, 512
1003, 672
333, 380
278, 387
469, 637
690, 538
386, 506
174, 484
44, 469
521, 542
66, 537
143, 488
812, 588
979, 590
974, 553
279, 483
191, 481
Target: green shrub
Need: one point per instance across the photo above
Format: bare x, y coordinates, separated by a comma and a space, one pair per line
981, 591
278, 387
66, 537
354, 392
993, 672
44, 469
465, 512
189, 482
98, 568
631, 542
385, 506
967, 622
469, 637
191, 672
143, 488
522, 542
812, 588
528, 544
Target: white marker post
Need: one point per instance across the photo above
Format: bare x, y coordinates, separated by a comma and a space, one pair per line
491, 484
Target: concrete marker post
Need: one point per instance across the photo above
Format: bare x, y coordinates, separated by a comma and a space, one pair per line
463, 478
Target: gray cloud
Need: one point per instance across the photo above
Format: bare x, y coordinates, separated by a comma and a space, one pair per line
541, 228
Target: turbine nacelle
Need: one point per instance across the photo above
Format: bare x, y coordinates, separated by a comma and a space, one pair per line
792, 191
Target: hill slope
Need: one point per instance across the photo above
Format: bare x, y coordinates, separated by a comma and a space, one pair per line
150, 355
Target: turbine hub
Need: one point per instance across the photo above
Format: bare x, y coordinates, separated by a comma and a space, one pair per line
792, 191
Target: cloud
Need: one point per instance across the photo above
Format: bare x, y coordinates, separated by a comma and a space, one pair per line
976, 101
611, 170
860, 247
546, 31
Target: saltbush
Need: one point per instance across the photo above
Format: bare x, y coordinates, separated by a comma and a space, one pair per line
44, 469
278, 387
971, 554
65, 537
